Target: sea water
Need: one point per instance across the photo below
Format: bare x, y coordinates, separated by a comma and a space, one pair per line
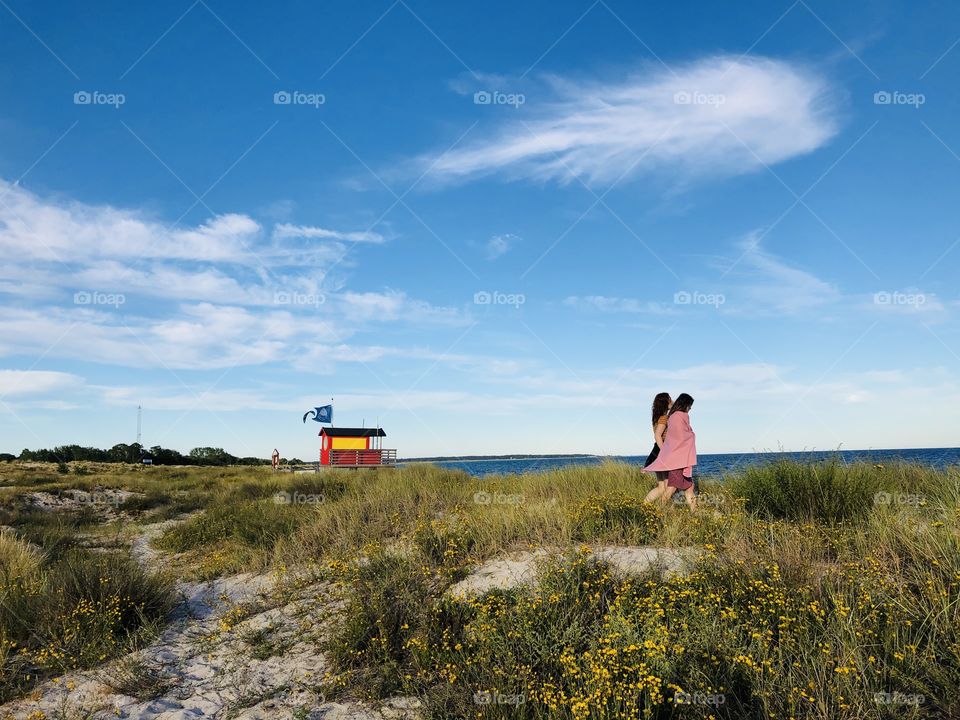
713, 465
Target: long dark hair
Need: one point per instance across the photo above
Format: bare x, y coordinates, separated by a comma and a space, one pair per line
683, 403
661, 404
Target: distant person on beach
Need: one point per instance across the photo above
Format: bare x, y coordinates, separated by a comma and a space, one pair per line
661, 406
678, 455
275, 459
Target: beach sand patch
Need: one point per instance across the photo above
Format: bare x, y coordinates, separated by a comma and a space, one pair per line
521, 568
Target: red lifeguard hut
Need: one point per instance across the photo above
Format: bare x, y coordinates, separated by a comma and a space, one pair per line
355, 448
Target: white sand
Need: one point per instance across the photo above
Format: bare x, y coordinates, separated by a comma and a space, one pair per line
210, 665
521, 568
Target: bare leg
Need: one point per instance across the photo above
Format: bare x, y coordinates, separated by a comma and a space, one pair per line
667, 495
691, 499
656, 492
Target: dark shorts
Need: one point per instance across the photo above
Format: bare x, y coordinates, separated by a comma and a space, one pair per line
654, 454
675, 478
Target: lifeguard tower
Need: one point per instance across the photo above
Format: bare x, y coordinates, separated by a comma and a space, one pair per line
355, 448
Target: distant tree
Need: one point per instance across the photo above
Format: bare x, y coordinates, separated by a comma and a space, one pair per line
133, 453
212, 456
68, 453
43, 455
124, 453
163, 456
119, 453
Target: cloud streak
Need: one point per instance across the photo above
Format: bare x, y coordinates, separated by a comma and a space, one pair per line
31, 382
232, 293
720, 116
287, 230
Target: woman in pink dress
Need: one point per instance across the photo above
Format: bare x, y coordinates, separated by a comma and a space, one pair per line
678, 454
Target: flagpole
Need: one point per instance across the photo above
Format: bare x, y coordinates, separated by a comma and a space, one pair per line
331, 411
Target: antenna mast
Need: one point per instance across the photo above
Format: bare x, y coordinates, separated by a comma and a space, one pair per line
139, 421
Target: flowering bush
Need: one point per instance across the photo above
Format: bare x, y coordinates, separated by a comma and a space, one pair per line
619, 515
81, 608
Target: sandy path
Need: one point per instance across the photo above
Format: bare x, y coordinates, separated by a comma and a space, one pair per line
248, 646
245, 646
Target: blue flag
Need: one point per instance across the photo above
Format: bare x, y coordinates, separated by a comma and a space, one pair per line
323, 414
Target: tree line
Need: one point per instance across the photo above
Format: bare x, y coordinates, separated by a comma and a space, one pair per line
136, 453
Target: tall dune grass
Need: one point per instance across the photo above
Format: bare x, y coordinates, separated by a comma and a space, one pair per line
71, 611
823, 591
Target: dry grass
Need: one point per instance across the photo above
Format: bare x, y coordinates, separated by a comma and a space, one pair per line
820, 586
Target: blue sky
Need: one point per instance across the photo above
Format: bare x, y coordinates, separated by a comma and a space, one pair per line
496, 227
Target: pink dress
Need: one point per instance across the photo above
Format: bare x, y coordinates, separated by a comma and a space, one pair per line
679, 451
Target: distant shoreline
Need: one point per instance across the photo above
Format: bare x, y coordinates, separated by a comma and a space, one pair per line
495, 458
552, 456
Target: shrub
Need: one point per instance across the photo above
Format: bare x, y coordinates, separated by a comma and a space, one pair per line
584, 644
251, 523
827, 492
390, 606
18, 559
617, 516
445, 542
75, 612
162, 504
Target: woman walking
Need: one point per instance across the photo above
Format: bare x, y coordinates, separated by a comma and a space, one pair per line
661, 406
678, 454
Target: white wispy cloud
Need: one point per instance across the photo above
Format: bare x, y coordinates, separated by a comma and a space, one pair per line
760, 282
721, 115
286, 230
607, 304
200, 336
232, 293
34, 228
499, 245
31, 382
207, 335
393, 305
